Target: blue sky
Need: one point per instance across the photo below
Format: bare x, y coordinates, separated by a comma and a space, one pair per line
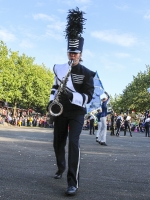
117, 36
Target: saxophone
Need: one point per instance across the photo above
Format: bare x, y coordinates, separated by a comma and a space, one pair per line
61, 89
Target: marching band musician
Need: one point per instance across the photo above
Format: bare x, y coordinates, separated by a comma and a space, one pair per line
113, 121
147, 125
119, 121
98, 115
104, 113
79, 91
127, 124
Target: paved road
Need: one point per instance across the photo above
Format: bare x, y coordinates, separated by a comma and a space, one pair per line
120, 171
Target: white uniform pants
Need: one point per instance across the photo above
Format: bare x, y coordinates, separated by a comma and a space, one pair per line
103, 129
98, 131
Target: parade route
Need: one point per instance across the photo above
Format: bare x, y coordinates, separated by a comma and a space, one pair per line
119, 171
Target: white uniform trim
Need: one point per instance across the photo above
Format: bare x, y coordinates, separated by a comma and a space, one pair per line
86, 100
78, 79
77, 173
77, 99
52, 96
147, 120
61, 72
74, 43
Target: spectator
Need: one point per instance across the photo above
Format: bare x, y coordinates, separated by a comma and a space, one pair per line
19, 122
1, 120
92, 128
30, 120
9, 118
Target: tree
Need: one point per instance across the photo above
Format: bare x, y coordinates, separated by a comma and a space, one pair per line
135, 96
4, 61
22, 82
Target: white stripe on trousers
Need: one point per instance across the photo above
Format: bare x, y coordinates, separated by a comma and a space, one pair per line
77, 173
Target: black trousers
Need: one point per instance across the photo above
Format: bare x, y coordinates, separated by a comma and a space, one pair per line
147, 129
92, 128
127, 125
118, 125
112, 128
68, 126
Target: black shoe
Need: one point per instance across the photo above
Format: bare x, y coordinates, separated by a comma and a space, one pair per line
131, 135
58, 175
71, 190
103, 143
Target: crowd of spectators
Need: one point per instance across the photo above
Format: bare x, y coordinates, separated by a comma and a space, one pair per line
43, 121
23, 118
28, 121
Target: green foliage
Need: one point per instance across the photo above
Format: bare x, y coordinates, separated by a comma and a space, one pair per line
22, 82
135, 95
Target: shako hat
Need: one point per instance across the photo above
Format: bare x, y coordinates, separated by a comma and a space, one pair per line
74, 29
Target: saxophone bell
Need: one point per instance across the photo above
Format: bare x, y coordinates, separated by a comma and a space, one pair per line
56, 108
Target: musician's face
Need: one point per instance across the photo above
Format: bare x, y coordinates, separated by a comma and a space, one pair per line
75, 57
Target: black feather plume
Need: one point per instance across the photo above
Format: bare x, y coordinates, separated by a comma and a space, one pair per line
75, 22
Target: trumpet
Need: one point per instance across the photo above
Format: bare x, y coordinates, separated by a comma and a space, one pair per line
56, 108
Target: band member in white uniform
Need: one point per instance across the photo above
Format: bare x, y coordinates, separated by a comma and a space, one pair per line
99, 124
103, 117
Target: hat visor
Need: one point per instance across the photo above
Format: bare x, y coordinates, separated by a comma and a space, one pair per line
73, 51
